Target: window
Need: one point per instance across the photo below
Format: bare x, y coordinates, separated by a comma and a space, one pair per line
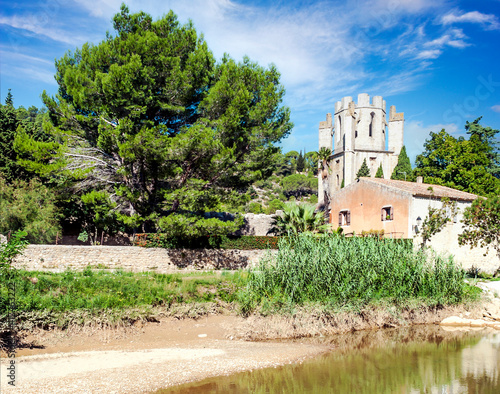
344, 218
370, 128
387, 213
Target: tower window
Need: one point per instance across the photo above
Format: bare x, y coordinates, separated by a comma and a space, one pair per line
370, 128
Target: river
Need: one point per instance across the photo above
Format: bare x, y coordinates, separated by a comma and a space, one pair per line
422, 359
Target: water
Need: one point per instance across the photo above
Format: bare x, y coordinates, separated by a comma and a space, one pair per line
413, 360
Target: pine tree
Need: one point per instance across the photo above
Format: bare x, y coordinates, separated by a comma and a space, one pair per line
363, 170
380, 172
403, 170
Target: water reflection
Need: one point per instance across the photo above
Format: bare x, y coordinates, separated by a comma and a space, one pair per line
414, 360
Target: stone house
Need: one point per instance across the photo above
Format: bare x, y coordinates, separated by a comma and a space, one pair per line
399, 208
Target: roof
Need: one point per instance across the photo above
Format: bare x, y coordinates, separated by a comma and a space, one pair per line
423, 189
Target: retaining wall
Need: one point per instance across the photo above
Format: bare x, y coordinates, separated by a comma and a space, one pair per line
134, 258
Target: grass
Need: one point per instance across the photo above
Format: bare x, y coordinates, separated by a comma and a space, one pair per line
327, 273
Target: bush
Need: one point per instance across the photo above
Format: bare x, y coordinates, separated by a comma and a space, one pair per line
273, 206
255, 207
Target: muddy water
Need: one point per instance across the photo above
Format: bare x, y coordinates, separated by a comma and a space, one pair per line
414, 360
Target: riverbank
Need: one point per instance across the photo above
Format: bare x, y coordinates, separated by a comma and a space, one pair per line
148, 356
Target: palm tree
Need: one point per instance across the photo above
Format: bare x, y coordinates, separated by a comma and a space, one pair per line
299, 218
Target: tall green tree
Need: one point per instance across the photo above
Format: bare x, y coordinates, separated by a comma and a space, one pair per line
464, 164
301, 163
403, 170
363, 170
8, 127
150, 118
380, 172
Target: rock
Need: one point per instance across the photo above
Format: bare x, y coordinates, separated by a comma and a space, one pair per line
455, 321
477, 323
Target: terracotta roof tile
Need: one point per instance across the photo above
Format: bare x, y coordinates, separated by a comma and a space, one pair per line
423, 189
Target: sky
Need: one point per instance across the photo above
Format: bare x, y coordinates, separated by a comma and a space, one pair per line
435, 60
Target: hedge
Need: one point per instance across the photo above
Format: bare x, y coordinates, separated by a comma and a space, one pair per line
247, 242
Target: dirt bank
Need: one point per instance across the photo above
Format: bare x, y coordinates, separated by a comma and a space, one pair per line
144, 358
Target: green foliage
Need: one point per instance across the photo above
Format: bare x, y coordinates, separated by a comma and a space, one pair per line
380, 172
298, 185
8, 251
482, 224
8, 127
28, 206
255, 207
97, 290
342, 184
273, 206
313, 199
312, 162
337, 271
459, 163
192, 225
246, 242
363, 170
403, 170
149, 117
301, 163
299, 218
436, 219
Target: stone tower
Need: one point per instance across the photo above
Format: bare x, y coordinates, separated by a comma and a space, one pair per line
357, 132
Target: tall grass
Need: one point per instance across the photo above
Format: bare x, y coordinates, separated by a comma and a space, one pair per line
337, 271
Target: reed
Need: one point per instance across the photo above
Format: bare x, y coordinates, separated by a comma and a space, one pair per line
340, 271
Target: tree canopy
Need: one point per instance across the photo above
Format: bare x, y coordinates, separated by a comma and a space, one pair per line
463, 164
151, 121
482, 224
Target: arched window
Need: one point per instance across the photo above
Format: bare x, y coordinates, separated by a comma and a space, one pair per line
338, 180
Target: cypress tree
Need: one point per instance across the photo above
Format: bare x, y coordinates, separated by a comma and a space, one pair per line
380, 172
363, 170
301, 163
403, 170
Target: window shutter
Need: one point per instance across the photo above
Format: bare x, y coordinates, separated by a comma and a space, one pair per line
392, 213
348, 218
340, 219
382, 214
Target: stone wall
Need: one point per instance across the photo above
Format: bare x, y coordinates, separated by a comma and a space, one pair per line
134, 258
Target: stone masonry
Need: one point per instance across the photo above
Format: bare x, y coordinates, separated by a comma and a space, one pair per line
133, 258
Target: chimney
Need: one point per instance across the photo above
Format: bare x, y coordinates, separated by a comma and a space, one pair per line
420, 179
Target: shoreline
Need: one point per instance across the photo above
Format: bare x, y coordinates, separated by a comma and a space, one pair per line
146, 357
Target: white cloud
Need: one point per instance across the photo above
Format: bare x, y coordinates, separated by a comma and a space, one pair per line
38, 25
496, 108
489, 21
429, 54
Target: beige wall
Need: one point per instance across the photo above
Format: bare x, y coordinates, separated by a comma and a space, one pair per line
134, 258
365, 202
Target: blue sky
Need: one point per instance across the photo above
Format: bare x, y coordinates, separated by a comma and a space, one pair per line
436, 60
